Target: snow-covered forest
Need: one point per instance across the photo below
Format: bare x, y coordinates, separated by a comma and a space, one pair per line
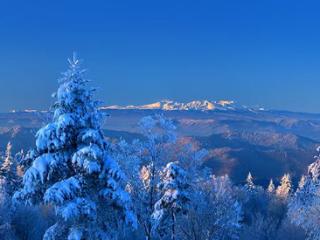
77, 185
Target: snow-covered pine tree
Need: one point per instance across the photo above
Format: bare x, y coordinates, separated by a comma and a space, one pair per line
7, 163
226, 208
271, 187
159, 133
253, 199
71, 169
215, 211
191, 157
174, 200
302, 181
150, 155
250, 186
19, 156
304, 206
9, 181
128, 155
284, 189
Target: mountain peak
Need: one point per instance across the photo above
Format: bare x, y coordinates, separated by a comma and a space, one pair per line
170, 105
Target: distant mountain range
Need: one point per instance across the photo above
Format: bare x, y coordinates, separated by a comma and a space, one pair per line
197, 105
240, 139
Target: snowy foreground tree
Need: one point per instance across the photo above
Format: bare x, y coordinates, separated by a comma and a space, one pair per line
145, 160
174, 200
304, 207
160, 136
71, 170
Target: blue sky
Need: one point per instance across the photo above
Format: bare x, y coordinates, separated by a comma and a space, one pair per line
255, 52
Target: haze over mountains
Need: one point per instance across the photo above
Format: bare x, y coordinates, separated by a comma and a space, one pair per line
240, 139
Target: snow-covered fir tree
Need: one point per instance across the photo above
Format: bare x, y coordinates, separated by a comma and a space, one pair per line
174, 200
159, 133
249, 185
228, 210
254, 200
19, 156
149, 155
215, 212
271, 187
284, 189
9, 181
302, 181
191, 157
250, 189
249, 181
8, 161
304, 206
71, 170
128, 155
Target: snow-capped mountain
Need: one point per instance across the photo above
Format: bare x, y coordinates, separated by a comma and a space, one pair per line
170, 105
197, 105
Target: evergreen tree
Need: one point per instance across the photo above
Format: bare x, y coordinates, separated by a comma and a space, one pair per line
227, 210
304, 206
174, 200
71, 169
302, 181
284, 189
19, 156
8, 161
9, 180
148, 156
159, 133
249, 186
214, 213
254, 201
271, 187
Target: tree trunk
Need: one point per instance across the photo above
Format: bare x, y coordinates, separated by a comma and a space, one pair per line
148, 231
151, 203
173, 236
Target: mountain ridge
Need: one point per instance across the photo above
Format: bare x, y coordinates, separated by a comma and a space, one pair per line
195, 105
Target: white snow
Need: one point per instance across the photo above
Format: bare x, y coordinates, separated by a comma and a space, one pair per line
63, 190
169, 105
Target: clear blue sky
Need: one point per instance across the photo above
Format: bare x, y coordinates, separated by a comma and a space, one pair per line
255, 52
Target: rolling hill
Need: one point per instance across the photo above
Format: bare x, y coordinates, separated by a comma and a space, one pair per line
240, 139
